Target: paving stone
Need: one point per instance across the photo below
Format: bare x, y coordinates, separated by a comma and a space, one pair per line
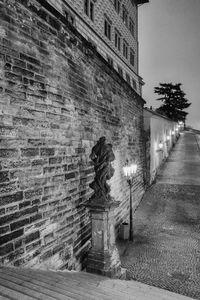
165, 251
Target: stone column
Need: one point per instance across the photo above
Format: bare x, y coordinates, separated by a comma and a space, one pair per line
103, 257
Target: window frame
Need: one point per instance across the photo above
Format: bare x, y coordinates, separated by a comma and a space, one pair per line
132, 26
89, 9
117, 5
132, 57
117, 40
125, 15
125, 49
107, 28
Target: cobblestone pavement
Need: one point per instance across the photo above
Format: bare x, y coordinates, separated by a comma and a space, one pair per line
165, 251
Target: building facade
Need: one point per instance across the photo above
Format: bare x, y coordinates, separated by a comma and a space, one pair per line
112, 27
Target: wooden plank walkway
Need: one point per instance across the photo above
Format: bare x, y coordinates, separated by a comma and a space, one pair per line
29, 284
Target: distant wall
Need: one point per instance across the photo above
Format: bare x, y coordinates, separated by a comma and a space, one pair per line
57, 98
157, 129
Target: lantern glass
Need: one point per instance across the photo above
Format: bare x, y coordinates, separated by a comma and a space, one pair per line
130, 170
160, 145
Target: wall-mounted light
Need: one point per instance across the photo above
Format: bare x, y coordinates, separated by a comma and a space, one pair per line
129, 172
168, 137
173, 132
176, 129
160, 147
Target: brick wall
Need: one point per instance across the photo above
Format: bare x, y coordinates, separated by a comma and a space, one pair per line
57, 98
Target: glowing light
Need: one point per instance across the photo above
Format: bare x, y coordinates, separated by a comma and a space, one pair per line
173, 132
130, 170
160, 145
168, 137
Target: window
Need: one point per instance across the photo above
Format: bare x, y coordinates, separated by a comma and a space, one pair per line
89, 9
128, 79
107, 29
125, 16
117, 5
125, 49
132, 57
132, 27
117, 40
134, 83
120, 71
110, 60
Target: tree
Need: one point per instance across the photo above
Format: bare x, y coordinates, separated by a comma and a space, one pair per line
174, 101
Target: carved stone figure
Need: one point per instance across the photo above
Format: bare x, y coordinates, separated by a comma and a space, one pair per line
102, 156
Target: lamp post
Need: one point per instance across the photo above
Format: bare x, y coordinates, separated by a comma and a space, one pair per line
129, 172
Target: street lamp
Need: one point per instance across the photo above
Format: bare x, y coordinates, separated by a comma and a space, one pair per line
129, 172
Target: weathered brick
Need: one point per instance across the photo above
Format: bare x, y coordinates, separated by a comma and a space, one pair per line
24, 204
33, 193
11, 208
39, 162
32, 236
35, 217
30, 152
46, 255
70, 175
15, 255
13, 77
16, 62
7, 187
4, 200
19, 224
47, 151
55, 160
4, 176
8, 153
30, 59
18, 243
6, 249
11, 236
9, 218
33, 246
4, 229
2, 211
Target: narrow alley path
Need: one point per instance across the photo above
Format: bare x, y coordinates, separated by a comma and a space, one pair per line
166, 249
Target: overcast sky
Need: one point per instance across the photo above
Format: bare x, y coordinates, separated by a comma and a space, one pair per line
169, 38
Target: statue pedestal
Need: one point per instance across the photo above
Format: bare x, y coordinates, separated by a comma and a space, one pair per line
103, 257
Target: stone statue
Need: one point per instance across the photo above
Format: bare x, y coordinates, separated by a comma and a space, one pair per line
102, 156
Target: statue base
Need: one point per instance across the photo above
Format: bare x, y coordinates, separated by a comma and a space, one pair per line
103, 258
